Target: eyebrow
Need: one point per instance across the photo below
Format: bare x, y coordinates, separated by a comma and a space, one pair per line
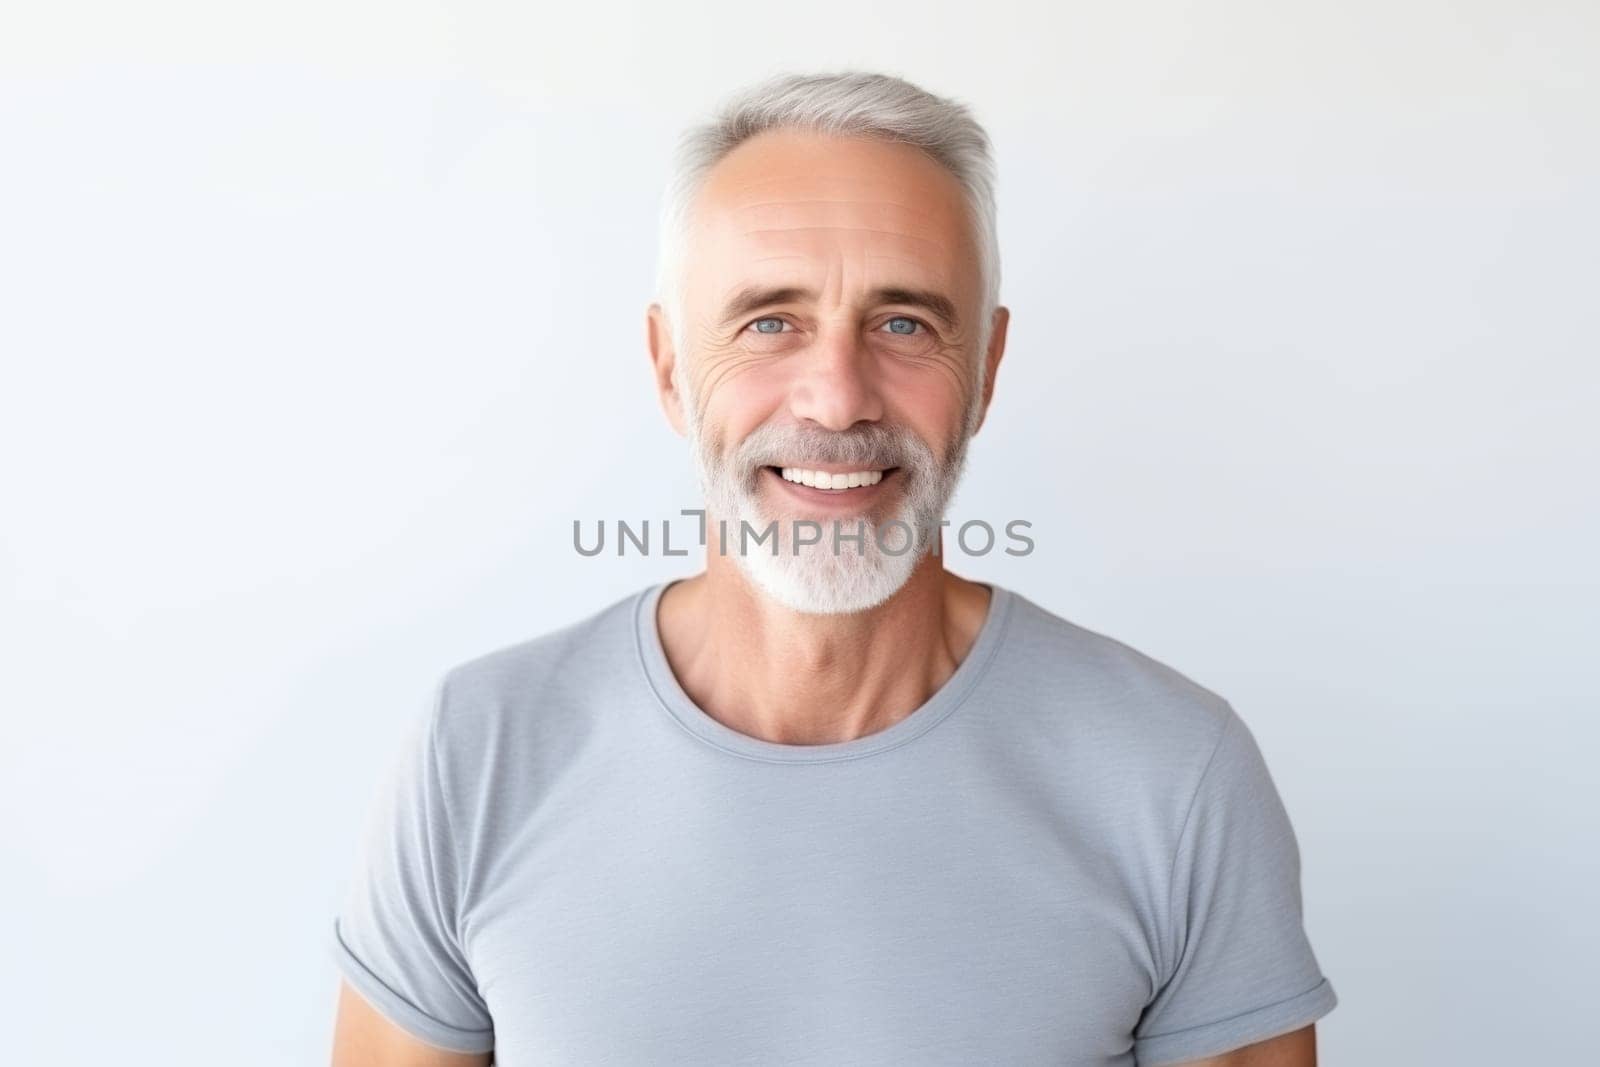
753, 298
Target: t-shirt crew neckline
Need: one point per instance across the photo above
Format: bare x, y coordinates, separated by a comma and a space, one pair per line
689, 715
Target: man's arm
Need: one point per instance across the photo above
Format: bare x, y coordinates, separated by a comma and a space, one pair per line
364, 1038
1296, 1049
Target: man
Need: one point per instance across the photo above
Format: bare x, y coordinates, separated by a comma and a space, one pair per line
827, 802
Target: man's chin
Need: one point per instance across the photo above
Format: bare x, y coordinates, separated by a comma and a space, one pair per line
824, 581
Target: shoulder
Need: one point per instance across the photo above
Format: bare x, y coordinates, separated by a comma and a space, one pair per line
1096, 699
521, 699
536, 661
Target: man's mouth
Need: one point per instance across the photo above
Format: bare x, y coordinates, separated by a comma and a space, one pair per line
832, 481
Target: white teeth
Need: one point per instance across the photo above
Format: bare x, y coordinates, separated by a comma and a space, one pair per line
826, 480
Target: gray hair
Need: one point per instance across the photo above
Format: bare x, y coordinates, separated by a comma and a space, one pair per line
850, 104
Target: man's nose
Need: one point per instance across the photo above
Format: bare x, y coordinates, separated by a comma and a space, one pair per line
836, 386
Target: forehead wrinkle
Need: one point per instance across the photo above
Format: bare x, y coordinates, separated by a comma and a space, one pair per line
753, 181
853, 208
853, 201
769, 230
930, 182
786, 169
871, 217
885, 209
915, 269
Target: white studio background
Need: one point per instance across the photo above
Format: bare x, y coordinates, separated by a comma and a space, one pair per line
322, 322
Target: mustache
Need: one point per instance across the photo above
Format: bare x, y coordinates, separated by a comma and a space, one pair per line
867, 445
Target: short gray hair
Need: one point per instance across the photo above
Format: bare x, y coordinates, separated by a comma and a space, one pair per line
848, 104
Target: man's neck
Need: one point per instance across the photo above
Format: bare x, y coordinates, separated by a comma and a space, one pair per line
793, 678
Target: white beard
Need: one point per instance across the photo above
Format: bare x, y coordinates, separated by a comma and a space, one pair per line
819, 580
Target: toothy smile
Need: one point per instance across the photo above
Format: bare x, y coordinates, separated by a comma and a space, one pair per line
830, 480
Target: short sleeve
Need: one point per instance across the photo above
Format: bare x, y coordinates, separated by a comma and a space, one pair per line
1240, 968
395, 939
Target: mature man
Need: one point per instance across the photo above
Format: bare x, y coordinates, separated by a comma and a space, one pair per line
827, 802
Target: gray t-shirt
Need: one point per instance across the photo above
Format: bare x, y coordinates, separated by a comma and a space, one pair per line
1070, 854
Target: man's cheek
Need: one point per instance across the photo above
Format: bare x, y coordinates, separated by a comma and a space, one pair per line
741, 408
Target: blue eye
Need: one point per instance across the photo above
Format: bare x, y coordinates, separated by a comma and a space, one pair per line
902, 325
768, 325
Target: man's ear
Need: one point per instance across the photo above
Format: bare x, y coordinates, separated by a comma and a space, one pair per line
663, 359
991, 359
